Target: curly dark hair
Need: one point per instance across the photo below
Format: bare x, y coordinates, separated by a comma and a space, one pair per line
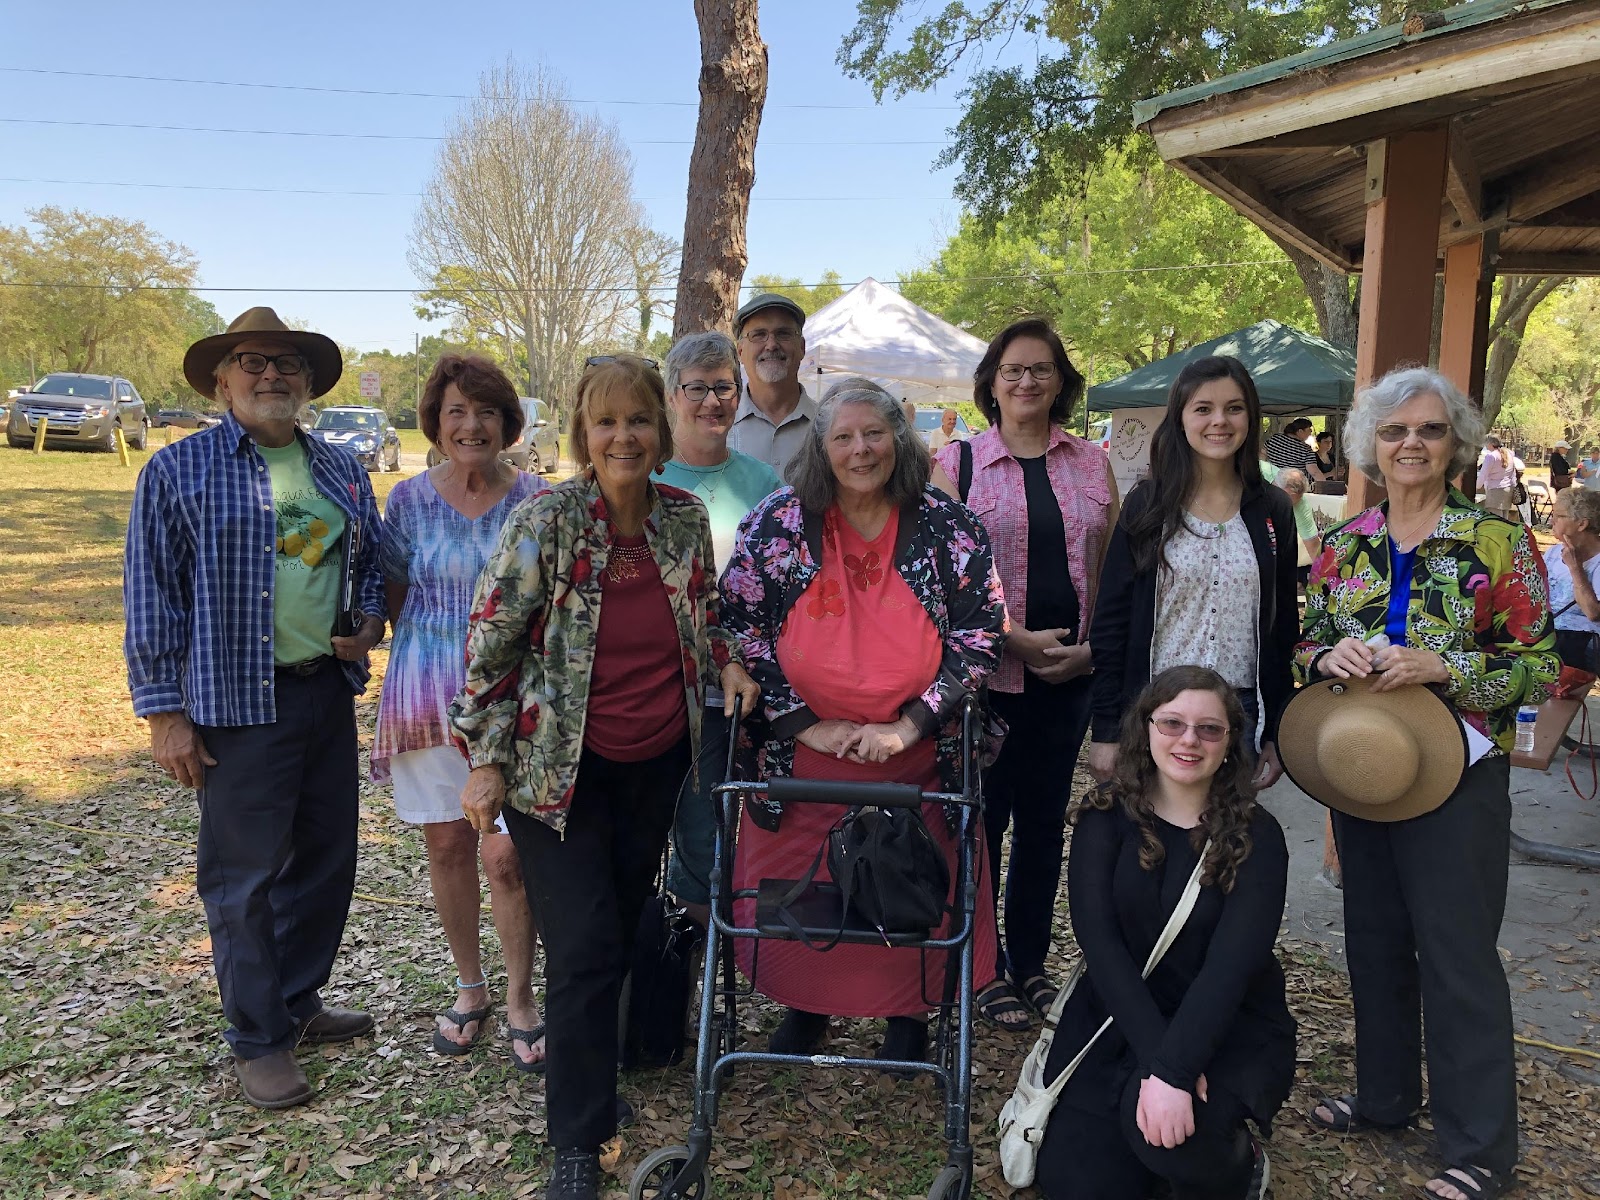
1232, 800
479, 379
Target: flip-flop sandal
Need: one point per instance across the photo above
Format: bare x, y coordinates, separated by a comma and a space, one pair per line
1346, 1119
1039, 992
531, 1036
460, 1020
997, 1001
1472, 1181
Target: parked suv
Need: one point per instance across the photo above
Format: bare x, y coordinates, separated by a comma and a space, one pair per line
365, 432
82, 410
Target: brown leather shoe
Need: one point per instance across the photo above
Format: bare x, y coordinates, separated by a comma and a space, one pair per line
334, 1025
275, 1081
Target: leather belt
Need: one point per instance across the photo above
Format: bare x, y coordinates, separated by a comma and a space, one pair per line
308, 666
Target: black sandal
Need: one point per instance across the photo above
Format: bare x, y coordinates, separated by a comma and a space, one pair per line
1040, 993
997, 1001
531, 1036
1346, 1119
461, 1020
1471, 1181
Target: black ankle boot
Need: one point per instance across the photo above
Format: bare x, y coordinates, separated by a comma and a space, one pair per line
799, 1032
576, 1176
905, 1039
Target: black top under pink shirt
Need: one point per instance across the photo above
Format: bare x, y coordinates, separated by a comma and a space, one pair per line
636, 692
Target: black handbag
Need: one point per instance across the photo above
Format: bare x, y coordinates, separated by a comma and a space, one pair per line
662, 977
889, 870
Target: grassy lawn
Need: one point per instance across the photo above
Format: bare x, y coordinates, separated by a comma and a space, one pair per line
114, 1079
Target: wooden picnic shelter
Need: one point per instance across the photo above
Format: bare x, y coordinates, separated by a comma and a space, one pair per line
1465, 141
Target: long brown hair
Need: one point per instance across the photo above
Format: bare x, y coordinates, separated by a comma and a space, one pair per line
1230, 802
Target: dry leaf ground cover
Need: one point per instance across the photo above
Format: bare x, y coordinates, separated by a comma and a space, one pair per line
114, 1079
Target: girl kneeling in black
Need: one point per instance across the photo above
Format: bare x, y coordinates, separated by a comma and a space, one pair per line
1206, 1042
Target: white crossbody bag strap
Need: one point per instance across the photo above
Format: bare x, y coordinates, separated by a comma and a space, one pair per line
1174, 926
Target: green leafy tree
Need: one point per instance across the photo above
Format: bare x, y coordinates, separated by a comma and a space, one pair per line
1553, 390
1030, 134
809, 297
1121, 268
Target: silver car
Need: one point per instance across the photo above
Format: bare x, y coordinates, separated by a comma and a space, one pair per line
538, 447
80, 410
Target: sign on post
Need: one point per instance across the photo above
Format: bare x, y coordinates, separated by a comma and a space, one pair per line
371, 386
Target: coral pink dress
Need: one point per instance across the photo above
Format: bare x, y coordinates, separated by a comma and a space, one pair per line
857, 646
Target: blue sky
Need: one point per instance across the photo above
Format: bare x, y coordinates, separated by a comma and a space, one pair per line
625, 50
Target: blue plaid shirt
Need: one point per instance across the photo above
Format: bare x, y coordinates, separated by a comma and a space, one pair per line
198, 578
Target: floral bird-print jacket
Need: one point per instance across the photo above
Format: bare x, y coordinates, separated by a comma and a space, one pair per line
943, 554
531, 641
1479, 599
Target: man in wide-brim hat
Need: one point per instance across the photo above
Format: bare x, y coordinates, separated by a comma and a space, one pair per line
235, 578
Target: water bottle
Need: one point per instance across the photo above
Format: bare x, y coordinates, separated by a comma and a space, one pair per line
1527, 717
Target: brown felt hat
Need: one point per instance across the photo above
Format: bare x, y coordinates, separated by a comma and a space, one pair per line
1384, 756
322, 352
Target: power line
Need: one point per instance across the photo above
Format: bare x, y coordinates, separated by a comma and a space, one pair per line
344, 91
286, 191
749, 287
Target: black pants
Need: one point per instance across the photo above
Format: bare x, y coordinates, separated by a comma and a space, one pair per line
1423, 900
276, 860
1103, 1156
586, 891
1029, 788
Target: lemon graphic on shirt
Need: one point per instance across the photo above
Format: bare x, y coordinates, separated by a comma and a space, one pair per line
318, 528
294, 543
312, 554
279, 546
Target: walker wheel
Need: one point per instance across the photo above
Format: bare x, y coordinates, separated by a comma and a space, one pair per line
950, 1184
661, 1169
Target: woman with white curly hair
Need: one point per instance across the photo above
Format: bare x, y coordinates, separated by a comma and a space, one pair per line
1462, 597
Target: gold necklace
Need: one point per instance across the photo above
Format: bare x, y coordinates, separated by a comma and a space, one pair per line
624, 562
1427, 524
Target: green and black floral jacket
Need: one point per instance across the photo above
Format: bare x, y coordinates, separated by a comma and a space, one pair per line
1479, 599
531, 641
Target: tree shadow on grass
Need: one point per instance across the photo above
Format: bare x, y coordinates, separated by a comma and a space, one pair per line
64, 561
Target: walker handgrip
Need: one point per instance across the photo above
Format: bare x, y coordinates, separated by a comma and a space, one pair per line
832, 791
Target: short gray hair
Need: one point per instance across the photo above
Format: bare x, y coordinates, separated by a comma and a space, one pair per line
1583, 504
810, 472
1375, 404
704, 350
1293, 476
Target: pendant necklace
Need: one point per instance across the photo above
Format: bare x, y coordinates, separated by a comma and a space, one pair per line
709, 478
624, 561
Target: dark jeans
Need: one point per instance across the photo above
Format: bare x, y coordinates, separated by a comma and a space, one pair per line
1103, 1156
276, 859
586, 891
1423, 900
1029, 788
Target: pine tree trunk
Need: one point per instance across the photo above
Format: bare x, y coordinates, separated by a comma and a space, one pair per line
722, 169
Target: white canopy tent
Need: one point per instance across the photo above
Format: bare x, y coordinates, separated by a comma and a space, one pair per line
874, 331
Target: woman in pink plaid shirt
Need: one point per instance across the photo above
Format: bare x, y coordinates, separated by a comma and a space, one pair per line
1049, 502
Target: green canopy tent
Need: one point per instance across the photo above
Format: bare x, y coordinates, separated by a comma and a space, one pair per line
1294, 372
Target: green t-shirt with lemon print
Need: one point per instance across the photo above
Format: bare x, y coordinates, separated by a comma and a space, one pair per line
310, 527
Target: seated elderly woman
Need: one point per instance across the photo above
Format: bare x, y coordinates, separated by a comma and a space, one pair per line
593, 640
1293, 481
1461, 596
867, 606
1572, 564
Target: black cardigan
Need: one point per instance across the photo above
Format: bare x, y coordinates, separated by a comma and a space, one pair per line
1125, 612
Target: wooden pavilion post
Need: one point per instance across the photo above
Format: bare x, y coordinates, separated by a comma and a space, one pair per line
1464, 331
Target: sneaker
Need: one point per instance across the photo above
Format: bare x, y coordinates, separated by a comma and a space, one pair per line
1260, 1174
575, 1176
273, 1081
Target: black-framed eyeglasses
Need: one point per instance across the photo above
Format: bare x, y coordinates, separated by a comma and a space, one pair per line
596, 360
782, 336
1428, 431
725, 389
256, 364
1044, 372
1206, 731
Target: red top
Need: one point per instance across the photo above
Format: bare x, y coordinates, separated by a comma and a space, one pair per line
636, 698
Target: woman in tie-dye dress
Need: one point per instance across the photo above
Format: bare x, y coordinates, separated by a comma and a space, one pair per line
439, 528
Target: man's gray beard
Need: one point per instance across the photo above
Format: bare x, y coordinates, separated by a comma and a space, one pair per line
772, 371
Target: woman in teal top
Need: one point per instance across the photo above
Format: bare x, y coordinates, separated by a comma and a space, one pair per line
703, 385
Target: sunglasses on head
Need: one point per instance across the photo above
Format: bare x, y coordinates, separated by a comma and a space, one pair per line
595, 360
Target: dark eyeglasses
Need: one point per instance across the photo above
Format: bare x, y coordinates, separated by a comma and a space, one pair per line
1428, 431
256, 364
1044, 372
1206, 731
595, 360
724, 389
782, 336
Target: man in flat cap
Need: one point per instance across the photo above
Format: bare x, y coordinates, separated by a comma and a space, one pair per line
244, 657
775, 413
